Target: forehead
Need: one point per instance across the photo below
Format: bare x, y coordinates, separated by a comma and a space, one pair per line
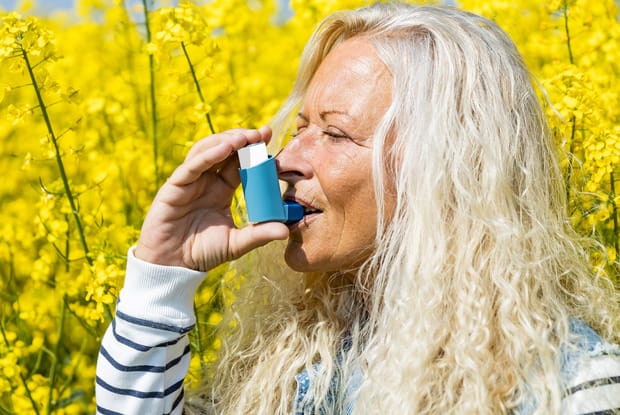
350, 78
355, 57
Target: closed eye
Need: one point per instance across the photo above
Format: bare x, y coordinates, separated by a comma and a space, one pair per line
336, 136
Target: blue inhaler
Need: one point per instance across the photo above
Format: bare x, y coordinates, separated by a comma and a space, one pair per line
259, 180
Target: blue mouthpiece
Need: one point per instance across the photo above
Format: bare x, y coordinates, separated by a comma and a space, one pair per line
293, 212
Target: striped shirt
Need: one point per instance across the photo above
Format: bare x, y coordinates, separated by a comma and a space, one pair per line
591, 371
144, 354
595, 389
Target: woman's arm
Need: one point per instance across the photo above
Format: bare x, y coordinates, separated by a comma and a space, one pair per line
189, 228
144, 354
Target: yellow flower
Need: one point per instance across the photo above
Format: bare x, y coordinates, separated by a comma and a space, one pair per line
570, 102
98, 103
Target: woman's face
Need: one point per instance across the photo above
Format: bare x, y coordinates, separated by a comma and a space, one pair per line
327, 165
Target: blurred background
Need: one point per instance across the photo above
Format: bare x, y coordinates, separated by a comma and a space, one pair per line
97, 108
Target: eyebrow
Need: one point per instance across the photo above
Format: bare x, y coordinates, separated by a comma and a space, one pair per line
323, 114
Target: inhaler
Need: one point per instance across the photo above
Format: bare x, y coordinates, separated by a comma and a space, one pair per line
259, 180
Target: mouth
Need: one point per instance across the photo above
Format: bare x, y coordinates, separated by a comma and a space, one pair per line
310, 211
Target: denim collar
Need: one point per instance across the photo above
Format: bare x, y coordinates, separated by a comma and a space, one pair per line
586, 343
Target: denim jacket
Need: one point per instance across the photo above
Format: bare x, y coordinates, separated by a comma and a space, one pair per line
587, 344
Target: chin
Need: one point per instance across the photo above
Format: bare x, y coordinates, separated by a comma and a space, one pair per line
296, 258
297, 261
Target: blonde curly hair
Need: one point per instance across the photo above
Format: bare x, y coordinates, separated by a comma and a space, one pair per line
466, 301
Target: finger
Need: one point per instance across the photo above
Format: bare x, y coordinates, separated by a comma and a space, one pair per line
216, 149
265, 132
229, 173
229, 169
251, 237
190, 170
238, 138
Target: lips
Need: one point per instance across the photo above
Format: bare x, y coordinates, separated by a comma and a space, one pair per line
309, 210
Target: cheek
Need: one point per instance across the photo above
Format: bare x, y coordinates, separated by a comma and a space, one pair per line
349, 187
360, 220
342, 237
353, 202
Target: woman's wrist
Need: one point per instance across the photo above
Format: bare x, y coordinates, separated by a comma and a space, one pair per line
162, 257
153, 291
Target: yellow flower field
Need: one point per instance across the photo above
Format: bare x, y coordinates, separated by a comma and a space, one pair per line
95, 113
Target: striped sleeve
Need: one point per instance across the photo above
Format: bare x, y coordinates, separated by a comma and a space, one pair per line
144, 354
595, 388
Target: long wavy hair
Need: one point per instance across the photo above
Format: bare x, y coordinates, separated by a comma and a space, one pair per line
465, 303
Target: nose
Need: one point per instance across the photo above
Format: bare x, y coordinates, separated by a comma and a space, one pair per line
293, 161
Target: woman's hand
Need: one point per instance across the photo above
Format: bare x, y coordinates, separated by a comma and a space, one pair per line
190, 223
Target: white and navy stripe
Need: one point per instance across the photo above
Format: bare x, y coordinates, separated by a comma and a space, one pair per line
595, 388
141, 367
145, 352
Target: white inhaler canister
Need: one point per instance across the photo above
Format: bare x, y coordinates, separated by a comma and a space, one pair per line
261, 189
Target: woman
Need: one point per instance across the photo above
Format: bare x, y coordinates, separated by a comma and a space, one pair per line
440, 273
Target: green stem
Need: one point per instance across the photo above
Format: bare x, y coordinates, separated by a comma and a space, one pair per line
197, 85
612, 198
569, 173
21, 377
127, 32
84, 325
570, 49
29, 394
5, 411
108, 312
71, 378
55, 360
154, 126
59, 162
67, 245
573, 120
198, 336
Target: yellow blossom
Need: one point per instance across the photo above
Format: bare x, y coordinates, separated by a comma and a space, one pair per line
219, 65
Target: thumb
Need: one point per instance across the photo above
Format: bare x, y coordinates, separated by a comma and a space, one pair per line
245, 239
